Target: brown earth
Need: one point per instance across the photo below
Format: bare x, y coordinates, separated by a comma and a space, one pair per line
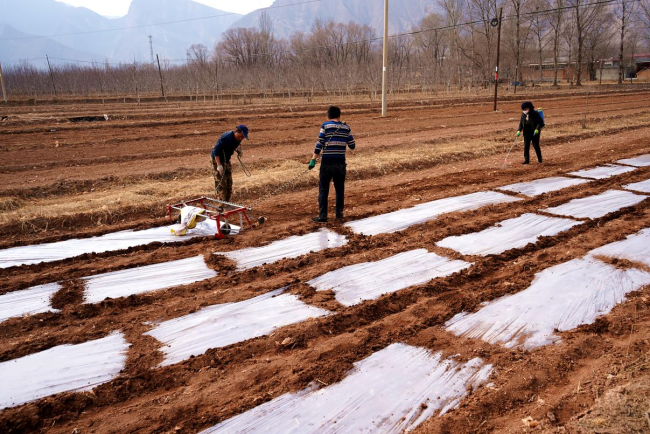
572, 386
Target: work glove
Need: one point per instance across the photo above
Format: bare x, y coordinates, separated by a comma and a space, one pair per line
536, 132
312, 163
220, 169
518, 133
240, 152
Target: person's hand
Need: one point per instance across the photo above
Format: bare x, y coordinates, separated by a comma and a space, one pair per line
536, 132
240, 152
312, 163
518, 133
220, 169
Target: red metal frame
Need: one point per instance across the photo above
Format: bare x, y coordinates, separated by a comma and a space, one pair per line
214, 212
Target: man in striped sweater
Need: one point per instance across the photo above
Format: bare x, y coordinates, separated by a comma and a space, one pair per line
334, 138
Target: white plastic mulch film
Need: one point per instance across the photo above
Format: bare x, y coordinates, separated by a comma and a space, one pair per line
544, 185
404, 218
370, 280
229, 323
393, 390
27, 255
643, 186
28, 301
597, 206
509, 234
640, 161
291, 247
66, 368
561, 297
145, 279
635, 248
602, 172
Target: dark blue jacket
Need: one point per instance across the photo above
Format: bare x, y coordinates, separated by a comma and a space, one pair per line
225, 147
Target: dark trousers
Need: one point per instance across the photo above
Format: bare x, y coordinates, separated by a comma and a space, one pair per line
328, 173
528, 138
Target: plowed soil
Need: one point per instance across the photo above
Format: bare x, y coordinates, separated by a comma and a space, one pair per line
49, 161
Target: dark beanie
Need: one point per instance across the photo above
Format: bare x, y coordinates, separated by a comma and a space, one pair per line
527, 105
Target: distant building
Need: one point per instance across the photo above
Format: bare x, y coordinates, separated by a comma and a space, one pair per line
638, 67
636, 64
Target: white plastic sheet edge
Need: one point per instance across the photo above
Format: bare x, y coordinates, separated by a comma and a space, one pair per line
291, 247
543, 185
369, 280
598, 205
30, 301
603, 172
643, 186
393, 390
229, 323
514, 233
404, 218
139, 280
65, 368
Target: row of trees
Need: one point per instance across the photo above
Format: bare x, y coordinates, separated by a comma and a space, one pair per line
453, 48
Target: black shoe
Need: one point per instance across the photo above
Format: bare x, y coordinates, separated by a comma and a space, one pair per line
339, 217
525, 162
539, 161
319, 220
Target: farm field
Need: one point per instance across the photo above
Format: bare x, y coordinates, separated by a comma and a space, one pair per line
514, 308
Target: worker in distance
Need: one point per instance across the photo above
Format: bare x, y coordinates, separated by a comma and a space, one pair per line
333, 140
531, 124
226, 146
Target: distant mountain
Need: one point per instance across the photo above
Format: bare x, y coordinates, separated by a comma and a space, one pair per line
49, 17
98, 42
403, 14
170, 40
22, 49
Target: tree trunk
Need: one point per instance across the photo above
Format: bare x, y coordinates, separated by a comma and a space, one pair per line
622, 46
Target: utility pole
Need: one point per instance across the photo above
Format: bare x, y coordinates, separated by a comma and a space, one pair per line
51, 74
135, 79
161, 80
496, 70
2, 84
385, 61
151, 47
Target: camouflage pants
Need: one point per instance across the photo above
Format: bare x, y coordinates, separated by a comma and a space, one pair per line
222, 183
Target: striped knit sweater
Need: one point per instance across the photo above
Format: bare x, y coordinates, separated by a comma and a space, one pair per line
333, 138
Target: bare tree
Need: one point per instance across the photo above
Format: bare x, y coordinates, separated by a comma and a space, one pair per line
433, 47
453, 14
644, 18
598, 41
518, 39
198, 54
555, 21
539, 26
480, 51
585, 14
625, 14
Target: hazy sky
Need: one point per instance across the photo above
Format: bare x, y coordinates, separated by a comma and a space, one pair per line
118, 8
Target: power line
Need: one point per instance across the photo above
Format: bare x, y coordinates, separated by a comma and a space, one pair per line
97, 62
376, 39
415, 32
36, 59
448, 27
153, 24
